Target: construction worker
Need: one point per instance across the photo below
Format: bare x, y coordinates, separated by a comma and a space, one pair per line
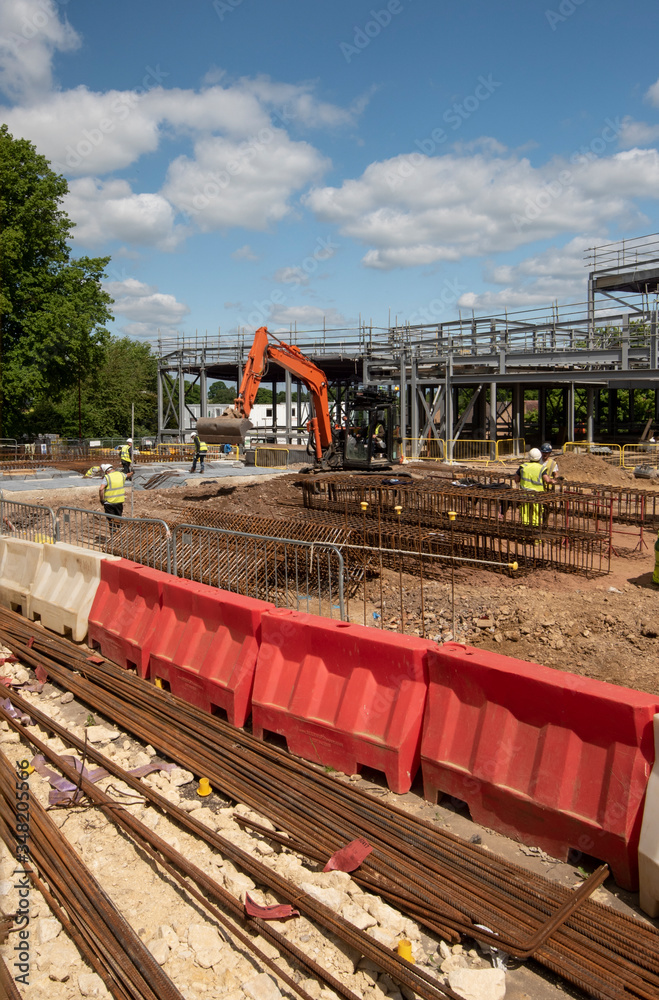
531, 477
200, 449
126, 456
112, 491
549, 465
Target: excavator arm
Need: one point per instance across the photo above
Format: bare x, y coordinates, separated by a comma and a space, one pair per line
232, 425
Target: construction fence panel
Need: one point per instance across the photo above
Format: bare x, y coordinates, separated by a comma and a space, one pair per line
474, 450
140, 539
510, 448
634, 455
611, 453
271, 458
306, 576
30, 521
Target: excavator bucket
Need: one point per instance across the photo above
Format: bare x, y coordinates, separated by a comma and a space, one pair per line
224, 430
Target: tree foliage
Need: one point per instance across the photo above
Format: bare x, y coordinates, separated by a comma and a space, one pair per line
52, 307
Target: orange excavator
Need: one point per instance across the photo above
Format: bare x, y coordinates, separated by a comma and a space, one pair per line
364, 440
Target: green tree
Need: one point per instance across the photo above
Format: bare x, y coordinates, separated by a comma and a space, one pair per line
52, 307
218, 392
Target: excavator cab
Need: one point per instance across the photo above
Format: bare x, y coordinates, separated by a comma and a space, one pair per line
368, 432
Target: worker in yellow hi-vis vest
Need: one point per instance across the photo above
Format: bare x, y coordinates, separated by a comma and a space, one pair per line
532, 477
126, 456
112, 491
200, 449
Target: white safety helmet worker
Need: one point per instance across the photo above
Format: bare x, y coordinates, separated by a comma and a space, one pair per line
106, 468
194, 434
535, 455
129, 440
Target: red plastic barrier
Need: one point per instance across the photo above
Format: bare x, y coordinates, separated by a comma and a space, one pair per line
125, 613
554, 760
341, 694
205, 646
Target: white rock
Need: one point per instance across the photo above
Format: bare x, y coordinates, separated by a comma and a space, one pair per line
478, 984
91, 985
386, 916
66, 698
168, 934
6, 886
141, 759
179, 776
383, 936
207, 818
330, 897
159, 949
454, 962
149, 749
206, 944
360, 918
238, 884
262, 987
312, 987
47, 930
100, 734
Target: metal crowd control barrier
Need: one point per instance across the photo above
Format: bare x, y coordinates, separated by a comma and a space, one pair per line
474, 450
611, 453
307, 576
8, 449
27, 520
510, 448
640, 454
271, 458
143, 540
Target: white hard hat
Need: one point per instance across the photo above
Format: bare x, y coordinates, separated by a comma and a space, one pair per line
535, 455
106, 468
194, 434
129, 440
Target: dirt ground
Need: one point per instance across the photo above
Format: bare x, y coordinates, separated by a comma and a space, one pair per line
605, 627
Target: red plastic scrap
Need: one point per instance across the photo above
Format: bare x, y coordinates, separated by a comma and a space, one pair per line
8, 659
349, 857
30, 642
280, 911
41, 674
95, 659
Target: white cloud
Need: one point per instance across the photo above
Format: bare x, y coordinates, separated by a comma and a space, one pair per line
245, 253
635, 133
146, 309
306, 317
652, 94
558, 273
241, 184
414, 210
111, 211
30, 32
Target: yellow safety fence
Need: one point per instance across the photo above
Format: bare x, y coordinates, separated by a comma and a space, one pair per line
611, 453
474, 450
640, 454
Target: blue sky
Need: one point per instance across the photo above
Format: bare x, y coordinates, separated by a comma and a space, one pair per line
248, 162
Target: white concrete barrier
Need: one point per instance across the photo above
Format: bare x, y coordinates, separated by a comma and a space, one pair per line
648, 848
19, 564
64, 588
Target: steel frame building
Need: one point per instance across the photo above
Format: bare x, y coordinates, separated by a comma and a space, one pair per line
598, 347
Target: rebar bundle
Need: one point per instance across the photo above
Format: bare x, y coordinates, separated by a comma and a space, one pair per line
450, 886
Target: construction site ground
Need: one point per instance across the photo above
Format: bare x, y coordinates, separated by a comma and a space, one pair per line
605, 627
